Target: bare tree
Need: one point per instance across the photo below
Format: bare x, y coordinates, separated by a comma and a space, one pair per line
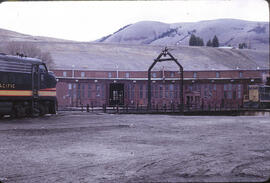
29, 50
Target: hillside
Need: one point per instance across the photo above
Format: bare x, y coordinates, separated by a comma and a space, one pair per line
229, 31
7, 35
107, 56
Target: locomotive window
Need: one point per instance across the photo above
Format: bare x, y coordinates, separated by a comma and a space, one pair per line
42, 68
42, 77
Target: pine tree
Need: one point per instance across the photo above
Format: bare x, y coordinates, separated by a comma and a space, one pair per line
200, 41
192, 40
195, 41
209, 43
215, 42
240, 46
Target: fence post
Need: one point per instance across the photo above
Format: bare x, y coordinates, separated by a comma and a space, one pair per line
87, 107
82, 107
165, 107
104, 108
92, 106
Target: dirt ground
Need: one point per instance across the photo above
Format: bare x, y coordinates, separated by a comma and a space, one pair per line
81, 147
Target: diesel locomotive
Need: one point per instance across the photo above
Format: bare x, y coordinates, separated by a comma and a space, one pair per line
258, 97
27, 88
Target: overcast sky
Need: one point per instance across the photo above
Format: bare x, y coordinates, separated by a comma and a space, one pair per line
91, 20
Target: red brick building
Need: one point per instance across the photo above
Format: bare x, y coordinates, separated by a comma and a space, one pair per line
219, 88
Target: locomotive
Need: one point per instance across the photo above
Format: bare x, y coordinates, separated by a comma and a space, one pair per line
258, 97
27, 88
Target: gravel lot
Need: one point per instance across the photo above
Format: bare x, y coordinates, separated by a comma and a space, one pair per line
81, 147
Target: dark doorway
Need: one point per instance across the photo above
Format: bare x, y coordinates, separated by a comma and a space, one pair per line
116, 94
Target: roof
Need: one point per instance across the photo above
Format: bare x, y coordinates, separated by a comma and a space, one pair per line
19, 59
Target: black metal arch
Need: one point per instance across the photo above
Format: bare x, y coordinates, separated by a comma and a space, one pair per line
164, 53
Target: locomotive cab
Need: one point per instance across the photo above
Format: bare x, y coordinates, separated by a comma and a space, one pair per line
27, 88
47, 78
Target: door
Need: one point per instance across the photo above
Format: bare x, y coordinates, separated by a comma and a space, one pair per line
116, 94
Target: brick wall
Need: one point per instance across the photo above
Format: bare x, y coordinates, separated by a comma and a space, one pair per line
208, 88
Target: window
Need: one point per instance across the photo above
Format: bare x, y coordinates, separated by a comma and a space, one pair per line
74, 87
217, 74
132, 91
194, 74
189, 87
154, 75
141, 91
82, 74
230, 87
69, 89
127, 75
240, 74
229, 94
205, 90
195, 87
102, 91
109, 75
42, 78
210, 87
234, 95
89, 91
175, 90
239, 91
65, 74
171, 90
166, 91
79, 91
70, 86
172, 74
42, 68
82, 90
97, 90
160, 91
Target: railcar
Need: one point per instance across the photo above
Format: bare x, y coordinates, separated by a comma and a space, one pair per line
258, 97
27, 88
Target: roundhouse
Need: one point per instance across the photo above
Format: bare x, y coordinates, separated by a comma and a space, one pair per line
213, 77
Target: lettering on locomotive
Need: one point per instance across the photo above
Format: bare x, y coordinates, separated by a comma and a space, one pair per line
7, 85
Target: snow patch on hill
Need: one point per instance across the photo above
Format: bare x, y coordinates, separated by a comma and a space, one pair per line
230, 32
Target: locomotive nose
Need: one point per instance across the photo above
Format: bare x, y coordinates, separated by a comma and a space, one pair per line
52, 79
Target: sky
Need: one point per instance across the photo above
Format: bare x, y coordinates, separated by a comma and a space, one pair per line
91, 20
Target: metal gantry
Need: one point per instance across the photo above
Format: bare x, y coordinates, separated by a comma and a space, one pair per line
161, 58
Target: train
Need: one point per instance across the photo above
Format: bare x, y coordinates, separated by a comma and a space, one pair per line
258, 97
27, 88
